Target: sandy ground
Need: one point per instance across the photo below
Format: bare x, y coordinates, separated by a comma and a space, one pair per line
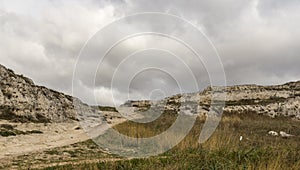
54, 135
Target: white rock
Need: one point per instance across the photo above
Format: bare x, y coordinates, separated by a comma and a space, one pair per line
285, 135
273, 133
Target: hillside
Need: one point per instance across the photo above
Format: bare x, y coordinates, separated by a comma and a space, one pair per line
273, 101
23, 101
39, 128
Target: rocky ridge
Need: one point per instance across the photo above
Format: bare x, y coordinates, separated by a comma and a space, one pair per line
23, 101
273, 101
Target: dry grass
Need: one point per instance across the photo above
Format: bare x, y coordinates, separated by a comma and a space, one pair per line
223, 150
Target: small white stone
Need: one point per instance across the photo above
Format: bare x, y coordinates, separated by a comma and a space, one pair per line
285, 135
273, 133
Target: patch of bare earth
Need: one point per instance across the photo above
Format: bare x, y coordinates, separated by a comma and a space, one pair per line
57, 143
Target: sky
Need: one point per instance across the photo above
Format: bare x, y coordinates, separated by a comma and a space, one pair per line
60, 45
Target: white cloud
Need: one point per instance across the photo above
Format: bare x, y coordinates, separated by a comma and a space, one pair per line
41, 39
257, 41
109, 97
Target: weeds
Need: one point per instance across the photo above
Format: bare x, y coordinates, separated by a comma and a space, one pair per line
224, 150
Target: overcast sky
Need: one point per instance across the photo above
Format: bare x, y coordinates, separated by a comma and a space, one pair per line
258, 42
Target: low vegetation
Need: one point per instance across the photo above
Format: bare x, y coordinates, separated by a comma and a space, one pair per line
226, 149
9, 130
106, 108
8, 113
81, 152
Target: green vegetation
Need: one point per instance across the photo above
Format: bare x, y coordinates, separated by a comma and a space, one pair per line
34, 131
9, 130
81, 152
106, 108
223, 150
256, 101
8, 113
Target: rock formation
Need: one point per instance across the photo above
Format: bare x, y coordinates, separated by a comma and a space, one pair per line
273, 101
21, 100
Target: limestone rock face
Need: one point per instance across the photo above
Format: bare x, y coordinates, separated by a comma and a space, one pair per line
22, 100
273, 101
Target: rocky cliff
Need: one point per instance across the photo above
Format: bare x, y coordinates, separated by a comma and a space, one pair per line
21, 100
278, 100
273, 101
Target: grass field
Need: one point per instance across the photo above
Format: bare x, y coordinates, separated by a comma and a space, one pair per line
223, 150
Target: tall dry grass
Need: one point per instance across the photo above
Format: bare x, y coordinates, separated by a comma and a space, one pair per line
223, 150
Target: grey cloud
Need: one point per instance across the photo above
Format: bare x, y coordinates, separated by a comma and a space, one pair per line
42, 41
258, 42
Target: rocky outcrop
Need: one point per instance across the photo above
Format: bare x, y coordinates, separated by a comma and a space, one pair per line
22, 100
273, 101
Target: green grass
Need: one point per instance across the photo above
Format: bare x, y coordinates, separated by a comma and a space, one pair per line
223, 150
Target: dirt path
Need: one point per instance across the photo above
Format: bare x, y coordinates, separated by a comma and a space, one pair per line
54, 135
